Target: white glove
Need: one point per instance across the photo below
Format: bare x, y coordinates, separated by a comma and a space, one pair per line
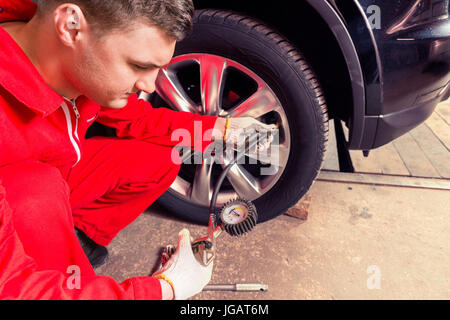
187, 276
239, 128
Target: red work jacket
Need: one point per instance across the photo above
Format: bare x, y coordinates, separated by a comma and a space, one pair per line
36, 123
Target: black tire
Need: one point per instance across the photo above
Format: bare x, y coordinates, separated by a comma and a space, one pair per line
283, 68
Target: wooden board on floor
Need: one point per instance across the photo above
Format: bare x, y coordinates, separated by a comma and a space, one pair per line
413, 157
383, 160
439, 123
443, 110
331, 161
433, 149
422, 152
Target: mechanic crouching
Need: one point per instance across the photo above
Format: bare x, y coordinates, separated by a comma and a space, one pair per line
64, 65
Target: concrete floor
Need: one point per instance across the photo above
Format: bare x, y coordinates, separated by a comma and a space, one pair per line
359, 242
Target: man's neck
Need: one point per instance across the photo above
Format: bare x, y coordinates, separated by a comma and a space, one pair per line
37, 46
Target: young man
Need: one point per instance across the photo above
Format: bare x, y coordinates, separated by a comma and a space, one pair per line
64, 65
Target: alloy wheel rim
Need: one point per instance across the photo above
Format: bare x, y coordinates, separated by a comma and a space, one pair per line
214, 74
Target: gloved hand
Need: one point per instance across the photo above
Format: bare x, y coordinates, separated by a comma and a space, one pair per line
239, 128
182, 270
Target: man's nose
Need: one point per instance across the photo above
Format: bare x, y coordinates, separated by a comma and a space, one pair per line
147, 83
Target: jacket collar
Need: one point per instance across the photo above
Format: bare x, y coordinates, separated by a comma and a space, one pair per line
19, 76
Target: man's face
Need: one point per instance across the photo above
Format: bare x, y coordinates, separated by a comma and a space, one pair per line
122, 63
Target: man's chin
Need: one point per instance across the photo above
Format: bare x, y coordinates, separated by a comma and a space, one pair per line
116, 104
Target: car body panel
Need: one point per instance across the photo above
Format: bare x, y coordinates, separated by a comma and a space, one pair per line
411, 44
397, 54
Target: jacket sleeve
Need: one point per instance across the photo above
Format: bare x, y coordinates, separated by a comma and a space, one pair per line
21, 278
159, 125
17, 10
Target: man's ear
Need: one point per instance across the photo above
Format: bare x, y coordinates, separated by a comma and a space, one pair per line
69, 22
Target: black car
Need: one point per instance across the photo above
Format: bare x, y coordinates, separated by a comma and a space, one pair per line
379, 67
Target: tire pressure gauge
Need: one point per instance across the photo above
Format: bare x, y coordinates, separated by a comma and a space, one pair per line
238, 216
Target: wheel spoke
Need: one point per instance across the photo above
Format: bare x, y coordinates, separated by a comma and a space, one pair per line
243, 182
211, 79
260, 103
170, 89
201, 186
283, 155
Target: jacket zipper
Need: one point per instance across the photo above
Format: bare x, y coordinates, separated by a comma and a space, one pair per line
74, 133
74, 107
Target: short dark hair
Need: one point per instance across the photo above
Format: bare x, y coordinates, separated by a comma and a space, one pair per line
174, 17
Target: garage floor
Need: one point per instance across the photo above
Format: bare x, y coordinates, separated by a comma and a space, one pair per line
368, 240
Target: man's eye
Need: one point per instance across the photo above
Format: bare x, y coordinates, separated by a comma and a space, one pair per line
139, 67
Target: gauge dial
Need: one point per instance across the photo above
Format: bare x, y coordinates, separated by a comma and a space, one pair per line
238, 216
235, 213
